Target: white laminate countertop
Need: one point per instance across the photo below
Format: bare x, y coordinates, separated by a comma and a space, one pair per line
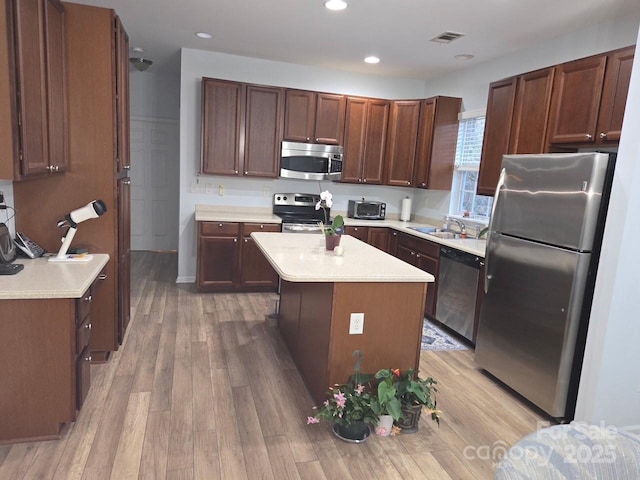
43, 279
213, 213
300, 257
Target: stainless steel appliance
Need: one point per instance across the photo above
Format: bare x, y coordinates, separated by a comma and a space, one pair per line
458, 276
298, 212
366, 210
540, 267
309, 161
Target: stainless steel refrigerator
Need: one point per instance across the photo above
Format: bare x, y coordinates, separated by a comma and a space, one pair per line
540, 265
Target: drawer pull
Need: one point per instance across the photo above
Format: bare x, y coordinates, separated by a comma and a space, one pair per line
588, 136
220, 225
246, 241
261, 227
88, 359
102, 276
603, 136
235, 240
88, 326
89, 298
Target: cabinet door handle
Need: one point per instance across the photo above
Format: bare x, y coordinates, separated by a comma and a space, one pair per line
418, 255
365, 180
127, 167
89, 298
102, 276
246, 173
246, 241
395, 234
49, 168
413, 254
88, 359
261, 227
235, 240
588, 136
88, 326
603, 136
359, 180
220, 225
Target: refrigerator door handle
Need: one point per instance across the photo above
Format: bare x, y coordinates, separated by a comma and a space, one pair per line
487, 275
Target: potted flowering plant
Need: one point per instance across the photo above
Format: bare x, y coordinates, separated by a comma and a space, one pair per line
348, 408
387, 401
416, 394
337, 225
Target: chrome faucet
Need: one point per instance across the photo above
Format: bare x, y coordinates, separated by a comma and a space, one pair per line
460, 225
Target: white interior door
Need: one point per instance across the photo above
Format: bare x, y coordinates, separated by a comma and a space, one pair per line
155, 171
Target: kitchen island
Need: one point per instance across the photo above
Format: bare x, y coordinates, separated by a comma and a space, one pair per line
320, 291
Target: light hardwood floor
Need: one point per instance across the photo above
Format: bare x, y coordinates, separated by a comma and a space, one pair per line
203, 388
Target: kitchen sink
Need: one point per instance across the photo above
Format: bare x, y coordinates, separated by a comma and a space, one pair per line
446, 235
429, 230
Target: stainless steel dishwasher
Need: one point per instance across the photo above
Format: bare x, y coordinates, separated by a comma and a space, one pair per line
458, 277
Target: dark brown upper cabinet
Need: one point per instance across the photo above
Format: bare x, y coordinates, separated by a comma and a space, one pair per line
263, 131
241, 128
401, 142
517, 117
32, 71
437, 140
497, 132
364, 140
575, 104
589, 98
614, 94
222, 121
123, 154
313, 117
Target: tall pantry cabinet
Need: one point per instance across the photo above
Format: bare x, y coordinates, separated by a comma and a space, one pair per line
98, 112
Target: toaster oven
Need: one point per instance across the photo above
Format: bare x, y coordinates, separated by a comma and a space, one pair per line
366, 210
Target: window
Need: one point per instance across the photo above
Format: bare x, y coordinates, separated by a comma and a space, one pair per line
465, 177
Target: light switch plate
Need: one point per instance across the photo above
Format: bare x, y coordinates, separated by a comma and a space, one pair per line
356, 324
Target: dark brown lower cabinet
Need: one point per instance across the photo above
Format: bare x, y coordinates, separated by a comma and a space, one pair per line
361, 233
425, 255
379, 238
48, 357
229, 260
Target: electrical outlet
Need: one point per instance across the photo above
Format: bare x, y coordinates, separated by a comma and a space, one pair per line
356, 324
208, 188
221, 190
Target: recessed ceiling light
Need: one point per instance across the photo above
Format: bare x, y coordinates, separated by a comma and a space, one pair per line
335, 4
463, 56
204, 35
372, 59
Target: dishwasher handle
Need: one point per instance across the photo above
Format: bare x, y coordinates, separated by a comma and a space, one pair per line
459, 256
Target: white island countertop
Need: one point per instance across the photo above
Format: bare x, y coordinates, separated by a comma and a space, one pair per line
300, 257
43, 279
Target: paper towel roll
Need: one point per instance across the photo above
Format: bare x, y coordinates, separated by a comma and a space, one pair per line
405, 210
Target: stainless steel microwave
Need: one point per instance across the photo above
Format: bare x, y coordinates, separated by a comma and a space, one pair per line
311, 161
366, 210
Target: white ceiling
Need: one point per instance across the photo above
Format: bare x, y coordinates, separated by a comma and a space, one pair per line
397, 31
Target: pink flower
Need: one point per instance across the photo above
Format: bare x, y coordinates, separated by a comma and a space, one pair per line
340, 399
381, 431
326, 403
360, 388
311, 420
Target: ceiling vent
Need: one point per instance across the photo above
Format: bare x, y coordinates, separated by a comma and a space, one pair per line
447, 37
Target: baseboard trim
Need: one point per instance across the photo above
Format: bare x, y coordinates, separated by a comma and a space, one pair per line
186, 279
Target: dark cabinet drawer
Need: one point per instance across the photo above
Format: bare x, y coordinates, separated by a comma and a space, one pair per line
219, 228
83, 305
83, 377
83, 332
248, 228
430, 249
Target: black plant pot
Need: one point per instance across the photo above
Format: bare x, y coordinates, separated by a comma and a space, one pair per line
409, 422
357, 432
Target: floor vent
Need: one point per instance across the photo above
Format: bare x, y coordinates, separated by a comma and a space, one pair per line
447, 37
